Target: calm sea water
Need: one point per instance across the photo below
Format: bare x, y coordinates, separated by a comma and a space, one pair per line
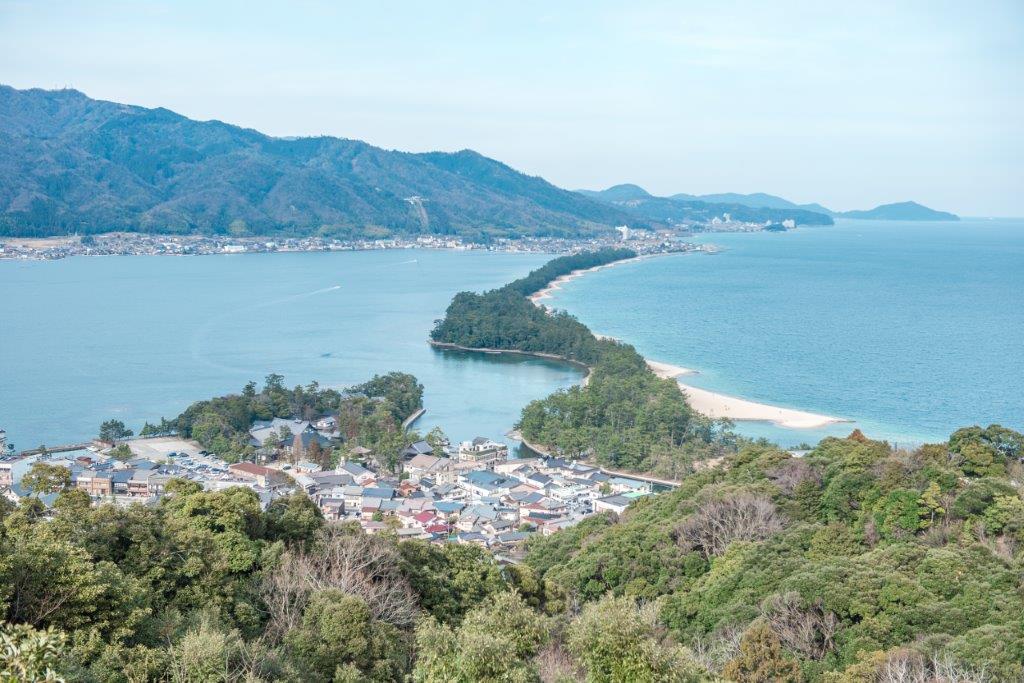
136, 338
909, 329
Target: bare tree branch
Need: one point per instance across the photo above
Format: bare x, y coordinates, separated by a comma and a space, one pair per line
355, 563
717, 523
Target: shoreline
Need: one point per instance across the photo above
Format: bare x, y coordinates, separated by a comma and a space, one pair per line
446, 346
709, 403
557, 283
162, 244
716, 405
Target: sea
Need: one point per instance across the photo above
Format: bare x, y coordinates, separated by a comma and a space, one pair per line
908, 330
137, 338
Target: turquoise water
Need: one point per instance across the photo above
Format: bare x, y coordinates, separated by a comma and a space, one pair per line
140, 337
908, 329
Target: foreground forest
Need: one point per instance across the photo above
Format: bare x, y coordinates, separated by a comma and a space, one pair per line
853, 564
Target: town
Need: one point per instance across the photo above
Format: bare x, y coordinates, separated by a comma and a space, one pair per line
143, 244
469, 493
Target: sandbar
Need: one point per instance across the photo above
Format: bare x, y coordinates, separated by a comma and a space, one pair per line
720, 405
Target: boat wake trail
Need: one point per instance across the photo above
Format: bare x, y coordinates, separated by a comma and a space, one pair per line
301, 296
198, 342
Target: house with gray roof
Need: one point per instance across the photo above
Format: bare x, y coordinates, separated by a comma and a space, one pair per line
616, 504
278, 427
482, 483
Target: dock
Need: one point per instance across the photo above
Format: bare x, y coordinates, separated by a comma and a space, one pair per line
57, 449
408, 422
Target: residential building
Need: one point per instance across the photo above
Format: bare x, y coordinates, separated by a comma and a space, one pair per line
482, 449
438, 469
14, 467
616, 504
263, 476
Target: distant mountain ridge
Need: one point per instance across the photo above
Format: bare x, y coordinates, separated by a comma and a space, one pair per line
678, 208
69, 163
908, 211
757, 199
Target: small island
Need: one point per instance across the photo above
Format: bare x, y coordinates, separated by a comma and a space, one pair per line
901, 211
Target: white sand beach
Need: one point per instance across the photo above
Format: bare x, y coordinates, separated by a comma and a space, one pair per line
559, 281
666, 371
719, 405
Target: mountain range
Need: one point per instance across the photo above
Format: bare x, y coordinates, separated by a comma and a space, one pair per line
641, 204
69, 163
638, 201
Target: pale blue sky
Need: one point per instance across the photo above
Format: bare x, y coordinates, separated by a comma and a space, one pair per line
848, 104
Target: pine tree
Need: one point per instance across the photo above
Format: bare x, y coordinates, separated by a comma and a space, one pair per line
760, 659
929, 500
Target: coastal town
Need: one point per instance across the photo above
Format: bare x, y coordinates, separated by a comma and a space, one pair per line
144, 244
472, 492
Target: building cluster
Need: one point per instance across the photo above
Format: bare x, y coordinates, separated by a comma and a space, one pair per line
469, 493
472, 494
136, 480
643, 241
726, 223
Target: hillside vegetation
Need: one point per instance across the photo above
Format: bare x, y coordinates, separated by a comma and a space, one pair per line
369, 415
69, 163
854, 563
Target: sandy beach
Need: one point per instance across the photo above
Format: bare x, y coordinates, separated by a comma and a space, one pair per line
720, 405
666, 371
559, 281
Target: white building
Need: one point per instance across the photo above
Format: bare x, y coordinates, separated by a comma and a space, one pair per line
482, 449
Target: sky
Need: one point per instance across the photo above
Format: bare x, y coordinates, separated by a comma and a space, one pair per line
846, 104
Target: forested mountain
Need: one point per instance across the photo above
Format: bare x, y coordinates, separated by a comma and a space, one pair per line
753, 207
69, 163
